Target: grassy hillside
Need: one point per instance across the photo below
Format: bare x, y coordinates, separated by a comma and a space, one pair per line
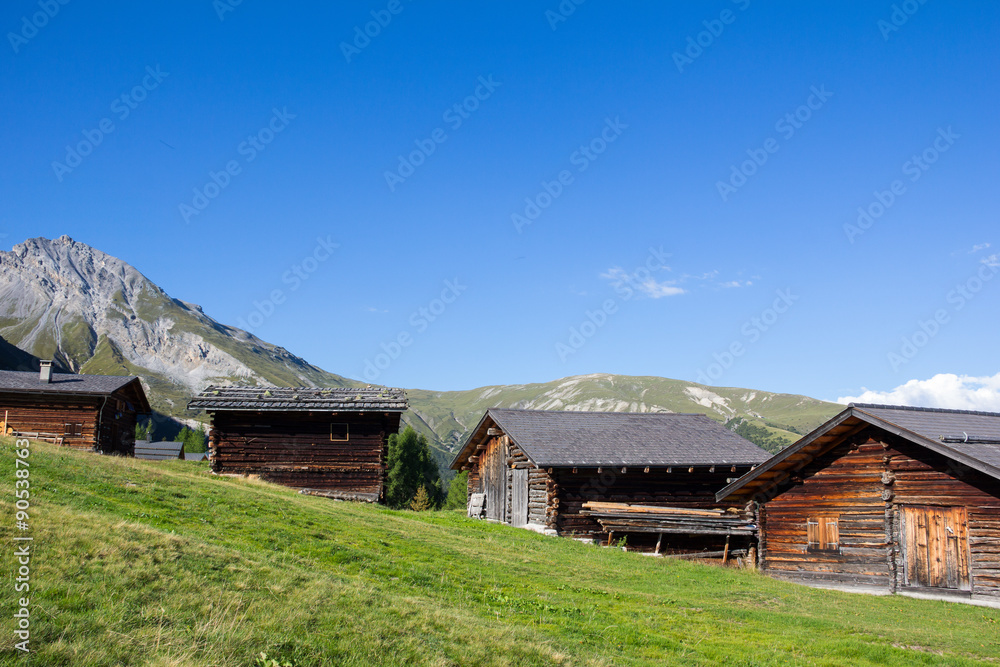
164, 564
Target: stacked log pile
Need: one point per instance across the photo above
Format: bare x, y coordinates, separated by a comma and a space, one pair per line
626, 518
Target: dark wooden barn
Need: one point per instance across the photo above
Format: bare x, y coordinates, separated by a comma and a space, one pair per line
327, 441
96, 412
538, 468
889, 499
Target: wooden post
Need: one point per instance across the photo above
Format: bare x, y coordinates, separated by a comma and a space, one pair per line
725, 552
659, 541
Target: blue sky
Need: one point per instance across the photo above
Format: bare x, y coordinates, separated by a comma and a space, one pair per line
618, 123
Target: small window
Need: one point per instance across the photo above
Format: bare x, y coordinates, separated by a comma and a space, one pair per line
338, 432
823, 533
73, 429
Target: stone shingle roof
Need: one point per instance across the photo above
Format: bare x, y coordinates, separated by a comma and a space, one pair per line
591, 439
158, 451
300, 399
63, 382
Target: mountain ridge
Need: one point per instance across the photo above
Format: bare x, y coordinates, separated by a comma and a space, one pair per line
94, 313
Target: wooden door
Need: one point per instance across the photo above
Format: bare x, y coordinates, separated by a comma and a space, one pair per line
936, 547
519, 497
495, 481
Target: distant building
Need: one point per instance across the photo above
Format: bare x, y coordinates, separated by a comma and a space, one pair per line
95, 412
159, 451
328, 441
886, 498
537, 468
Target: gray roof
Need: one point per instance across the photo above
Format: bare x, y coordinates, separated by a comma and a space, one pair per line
927, 427
63, 382
591, 439
158, 451
300, 399
933, 425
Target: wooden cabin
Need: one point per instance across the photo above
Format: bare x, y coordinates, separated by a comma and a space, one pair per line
881, 498
326, 441
537, 468
96, 412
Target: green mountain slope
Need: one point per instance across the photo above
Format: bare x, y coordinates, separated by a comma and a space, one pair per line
446, 417
161, 563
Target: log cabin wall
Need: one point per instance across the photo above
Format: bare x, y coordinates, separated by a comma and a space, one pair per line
867, 488
677, 488
917, 477
117, 426
487, 477
73, 417
296, 449
845, 484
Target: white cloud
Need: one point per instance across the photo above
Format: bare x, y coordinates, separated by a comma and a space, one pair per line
736, 283
650, 287
945, 390
992, 260
980, 246
373, 309
655, 289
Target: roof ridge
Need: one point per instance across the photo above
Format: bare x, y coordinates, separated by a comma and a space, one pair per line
912, 408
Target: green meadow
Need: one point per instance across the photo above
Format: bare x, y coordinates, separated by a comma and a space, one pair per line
163, 563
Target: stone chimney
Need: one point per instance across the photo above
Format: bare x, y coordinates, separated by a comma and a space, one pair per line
45, 371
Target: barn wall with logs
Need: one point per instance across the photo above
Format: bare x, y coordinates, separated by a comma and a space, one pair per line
76, 419
844, 483
919, 478
868, 484
483, 478
556, 495
668, 487
296, 449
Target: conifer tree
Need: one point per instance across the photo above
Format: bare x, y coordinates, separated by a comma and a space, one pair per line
410, 466
458, 492
422, 501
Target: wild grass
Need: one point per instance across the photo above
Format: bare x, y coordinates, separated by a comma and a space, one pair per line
153, 563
